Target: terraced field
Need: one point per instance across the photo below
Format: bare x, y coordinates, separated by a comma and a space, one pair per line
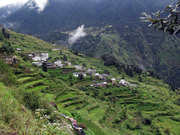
32, 82
125, 110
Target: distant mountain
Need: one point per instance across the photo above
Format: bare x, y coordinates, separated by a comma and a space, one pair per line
69, 14
8, 10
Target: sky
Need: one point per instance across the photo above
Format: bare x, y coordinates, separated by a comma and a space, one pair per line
41, 4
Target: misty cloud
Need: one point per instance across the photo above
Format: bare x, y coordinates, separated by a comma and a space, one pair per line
76, 35
40, 4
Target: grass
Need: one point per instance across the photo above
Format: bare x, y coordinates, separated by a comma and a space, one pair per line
12, 117
38, 88
33, 83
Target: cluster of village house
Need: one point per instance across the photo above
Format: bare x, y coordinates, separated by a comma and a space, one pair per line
11, 60
39, 58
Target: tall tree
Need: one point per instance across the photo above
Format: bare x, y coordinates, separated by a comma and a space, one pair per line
44, 66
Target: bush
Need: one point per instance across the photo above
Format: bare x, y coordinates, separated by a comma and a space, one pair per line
5, 34
147, 121
34, 101
81, 77
6, 74
7, 49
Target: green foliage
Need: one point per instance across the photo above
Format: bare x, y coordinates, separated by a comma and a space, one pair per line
44, 67
33, 101
80, 76
128, 69
170, 23
5, 33
65, 58
6, 74
7, 49
13, 120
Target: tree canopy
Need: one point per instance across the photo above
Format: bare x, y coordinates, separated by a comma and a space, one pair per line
167, 20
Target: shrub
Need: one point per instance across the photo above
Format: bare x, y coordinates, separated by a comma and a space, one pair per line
147, 121
7, 49
6, 74
81, 77
34, 101
5, 34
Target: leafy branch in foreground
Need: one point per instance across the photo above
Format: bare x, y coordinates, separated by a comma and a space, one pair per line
170, 23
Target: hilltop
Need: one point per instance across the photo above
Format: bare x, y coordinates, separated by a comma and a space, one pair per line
143, 104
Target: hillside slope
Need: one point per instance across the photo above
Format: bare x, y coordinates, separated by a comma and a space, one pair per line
130, 40
149, 107
159, 52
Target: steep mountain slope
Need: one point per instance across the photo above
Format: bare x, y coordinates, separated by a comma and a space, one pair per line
147, 49
149, 108
130, 41
7, 10
68, 14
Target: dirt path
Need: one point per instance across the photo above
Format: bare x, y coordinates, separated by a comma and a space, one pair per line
68, 129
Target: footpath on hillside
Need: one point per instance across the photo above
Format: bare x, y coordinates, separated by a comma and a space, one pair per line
78, 129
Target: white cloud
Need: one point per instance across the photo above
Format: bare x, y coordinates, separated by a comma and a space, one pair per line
8, 2
76, 35
40, 4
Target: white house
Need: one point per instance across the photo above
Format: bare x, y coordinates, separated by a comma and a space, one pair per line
68, 63
113, 81
76, 74
37, 58
40, 57
44, 56
123, 82
58, 63
98, 76
78, 67
37, 63
104, 76
91, 71
18, 49
102, 84
30, 56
